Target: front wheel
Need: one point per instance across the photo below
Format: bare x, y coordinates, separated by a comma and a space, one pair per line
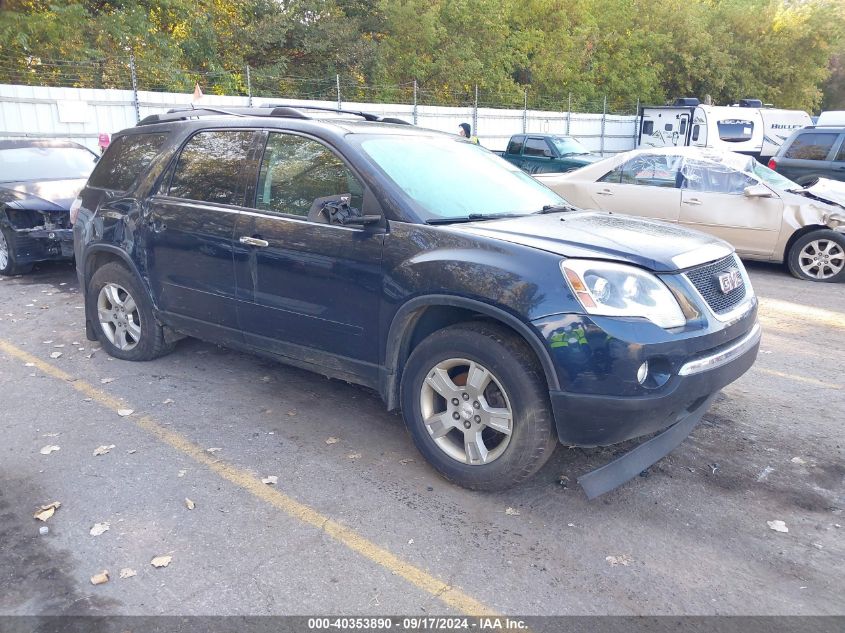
818, 256
8, 254
122, 314
477, 406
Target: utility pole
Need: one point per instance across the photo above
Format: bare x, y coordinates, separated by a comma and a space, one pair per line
134, 87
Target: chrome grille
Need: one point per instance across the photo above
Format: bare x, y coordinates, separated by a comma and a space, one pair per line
706, 281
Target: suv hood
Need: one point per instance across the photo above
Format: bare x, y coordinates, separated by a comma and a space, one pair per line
45, 195
657, 246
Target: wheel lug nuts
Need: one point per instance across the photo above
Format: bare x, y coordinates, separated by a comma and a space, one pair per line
478, 419
476, 404
456, 415
465, 396
455, 401
467, 424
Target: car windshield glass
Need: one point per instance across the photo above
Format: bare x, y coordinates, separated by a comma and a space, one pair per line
566, 145
45, 163
453, 179
772, 178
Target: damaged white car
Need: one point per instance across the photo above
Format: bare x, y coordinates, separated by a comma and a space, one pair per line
765, 216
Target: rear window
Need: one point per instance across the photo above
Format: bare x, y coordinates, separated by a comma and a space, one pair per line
812, 146
735, 130
840, 156
126, 159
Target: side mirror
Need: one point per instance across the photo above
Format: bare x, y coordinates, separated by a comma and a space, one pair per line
758, 191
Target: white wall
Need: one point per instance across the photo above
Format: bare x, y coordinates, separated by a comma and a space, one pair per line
81, 114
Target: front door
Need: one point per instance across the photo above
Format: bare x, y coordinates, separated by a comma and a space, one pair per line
310, 290
191, 223
713, 201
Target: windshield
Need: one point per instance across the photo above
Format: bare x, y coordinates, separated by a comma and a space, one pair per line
452, 179
772, 178
45, 163
567, 145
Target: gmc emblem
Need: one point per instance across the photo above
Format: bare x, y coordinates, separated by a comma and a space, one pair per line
730, 280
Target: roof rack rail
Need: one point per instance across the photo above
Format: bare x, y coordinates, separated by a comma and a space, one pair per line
269, 110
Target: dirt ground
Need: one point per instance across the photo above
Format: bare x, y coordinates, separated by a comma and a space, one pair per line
357, 523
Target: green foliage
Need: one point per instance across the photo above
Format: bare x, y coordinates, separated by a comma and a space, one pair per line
783, 51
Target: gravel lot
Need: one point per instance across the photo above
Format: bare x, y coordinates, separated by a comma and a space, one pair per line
359, 524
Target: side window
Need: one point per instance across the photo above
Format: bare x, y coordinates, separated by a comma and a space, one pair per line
713, 178
648, 128
696, 129
735, 130
652, 170
515, 145
296, 171
537, 147
210, 165
840, 155
125, 160
683, 129
812, 146
667, 127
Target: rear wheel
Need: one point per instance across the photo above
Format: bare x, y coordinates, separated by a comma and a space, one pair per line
477, 406
122, 315
818, 256
8, 254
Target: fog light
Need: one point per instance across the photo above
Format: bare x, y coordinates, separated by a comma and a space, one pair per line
642, 373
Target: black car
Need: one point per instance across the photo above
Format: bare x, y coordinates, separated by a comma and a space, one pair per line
39, 180
499, 319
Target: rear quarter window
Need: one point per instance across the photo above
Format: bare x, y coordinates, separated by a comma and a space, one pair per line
125, 160
812, 146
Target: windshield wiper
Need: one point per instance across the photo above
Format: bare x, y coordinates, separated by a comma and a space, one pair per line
555, 208
472, 217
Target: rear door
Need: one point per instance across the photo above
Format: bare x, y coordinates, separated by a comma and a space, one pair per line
514, 150
310, 290
646, 186
713, 201
191, 224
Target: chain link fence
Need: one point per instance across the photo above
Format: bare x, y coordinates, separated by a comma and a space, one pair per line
605, 125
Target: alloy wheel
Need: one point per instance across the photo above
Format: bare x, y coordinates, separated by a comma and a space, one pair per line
466, 411
4, 251
821, 259
118, 316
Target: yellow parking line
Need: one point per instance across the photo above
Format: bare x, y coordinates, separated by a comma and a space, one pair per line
449, 595
809, 381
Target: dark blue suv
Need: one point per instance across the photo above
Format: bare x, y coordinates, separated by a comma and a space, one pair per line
498, 318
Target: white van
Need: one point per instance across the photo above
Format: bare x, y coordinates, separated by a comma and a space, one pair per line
747, 128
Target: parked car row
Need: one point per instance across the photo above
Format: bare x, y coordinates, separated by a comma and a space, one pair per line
498, 318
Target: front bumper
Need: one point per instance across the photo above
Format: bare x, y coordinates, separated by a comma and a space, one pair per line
41, 244
601, 420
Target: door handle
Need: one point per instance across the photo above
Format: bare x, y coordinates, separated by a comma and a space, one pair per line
254, 241
693, 201
604, 192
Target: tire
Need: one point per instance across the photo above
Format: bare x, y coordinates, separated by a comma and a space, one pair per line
818, 256
122, 315
8, 254
515, 391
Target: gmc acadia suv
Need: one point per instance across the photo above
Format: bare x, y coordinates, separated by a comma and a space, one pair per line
497, 317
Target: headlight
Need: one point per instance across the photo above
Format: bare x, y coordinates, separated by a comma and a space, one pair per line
608, 289
74, 209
